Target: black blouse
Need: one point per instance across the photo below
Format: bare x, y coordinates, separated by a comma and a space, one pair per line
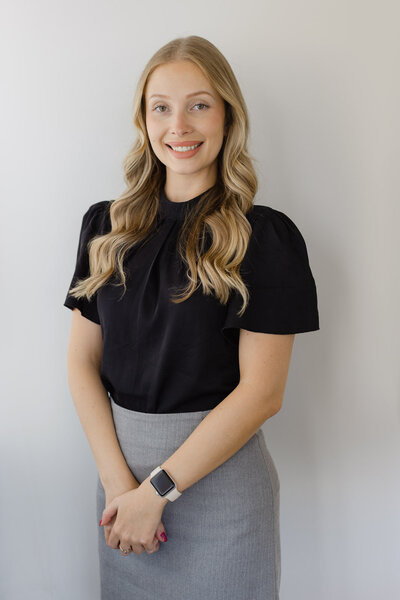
161, 357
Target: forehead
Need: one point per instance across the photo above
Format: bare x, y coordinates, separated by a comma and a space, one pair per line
177, 79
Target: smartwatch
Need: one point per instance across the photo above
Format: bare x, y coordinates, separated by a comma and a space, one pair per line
164, 484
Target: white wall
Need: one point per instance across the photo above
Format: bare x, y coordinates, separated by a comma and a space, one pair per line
321, 83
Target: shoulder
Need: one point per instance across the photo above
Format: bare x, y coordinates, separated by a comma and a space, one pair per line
96, 220
273, 228
276, 271
277, 253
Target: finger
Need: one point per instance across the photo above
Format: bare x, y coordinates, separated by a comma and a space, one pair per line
108, 529
135, 548
114, 539
161, 536
151, 546
124, 548
138, 548
160, 533
155, 548
109, 513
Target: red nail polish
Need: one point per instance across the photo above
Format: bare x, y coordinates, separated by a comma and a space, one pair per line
100, 521
163, 537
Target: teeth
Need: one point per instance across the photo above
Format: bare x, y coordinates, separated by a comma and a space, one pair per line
185, 148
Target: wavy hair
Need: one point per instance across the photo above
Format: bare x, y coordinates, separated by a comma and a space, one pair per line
219, 213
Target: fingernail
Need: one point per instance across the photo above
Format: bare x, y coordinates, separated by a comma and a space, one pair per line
163, 537
100, 521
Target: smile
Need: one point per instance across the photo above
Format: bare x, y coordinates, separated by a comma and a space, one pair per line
184, 151
185, 148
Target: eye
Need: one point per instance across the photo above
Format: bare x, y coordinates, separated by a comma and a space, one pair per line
163, 106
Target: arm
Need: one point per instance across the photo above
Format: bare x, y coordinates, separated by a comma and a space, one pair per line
93, 405
264, 364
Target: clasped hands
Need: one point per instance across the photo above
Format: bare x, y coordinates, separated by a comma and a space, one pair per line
132, 520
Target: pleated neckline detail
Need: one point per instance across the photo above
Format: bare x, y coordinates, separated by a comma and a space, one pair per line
176, 210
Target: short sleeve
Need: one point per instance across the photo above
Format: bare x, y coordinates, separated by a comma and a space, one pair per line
276, 270
94, 222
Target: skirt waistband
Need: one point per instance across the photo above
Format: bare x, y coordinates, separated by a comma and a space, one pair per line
166, 418
147, 438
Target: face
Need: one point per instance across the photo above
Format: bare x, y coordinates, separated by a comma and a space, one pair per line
184, 110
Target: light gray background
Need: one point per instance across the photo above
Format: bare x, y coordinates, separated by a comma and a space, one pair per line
321, 83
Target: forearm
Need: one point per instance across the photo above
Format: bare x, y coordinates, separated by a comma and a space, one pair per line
94, 410
220, 435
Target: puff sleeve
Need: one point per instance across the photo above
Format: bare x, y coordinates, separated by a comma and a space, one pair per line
276, 270
93, 223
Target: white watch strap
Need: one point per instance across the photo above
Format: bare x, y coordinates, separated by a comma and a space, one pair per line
173, 494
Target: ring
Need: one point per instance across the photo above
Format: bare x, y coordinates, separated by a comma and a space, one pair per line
125, 551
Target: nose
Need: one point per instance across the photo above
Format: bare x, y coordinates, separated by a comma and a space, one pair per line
180, 123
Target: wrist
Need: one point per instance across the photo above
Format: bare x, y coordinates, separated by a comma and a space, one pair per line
151, 492
120, 485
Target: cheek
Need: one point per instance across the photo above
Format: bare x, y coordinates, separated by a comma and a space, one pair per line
215, 126
151, 126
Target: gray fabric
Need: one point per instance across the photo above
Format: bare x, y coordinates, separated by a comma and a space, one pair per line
223, 532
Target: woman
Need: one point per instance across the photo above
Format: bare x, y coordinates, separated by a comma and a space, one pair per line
173, 376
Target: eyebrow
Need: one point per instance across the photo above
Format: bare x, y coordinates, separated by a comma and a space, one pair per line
188, 96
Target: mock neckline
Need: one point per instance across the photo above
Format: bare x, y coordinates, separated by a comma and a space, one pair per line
176, 210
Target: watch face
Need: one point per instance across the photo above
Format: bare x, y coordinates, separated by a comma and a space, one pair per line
162, 482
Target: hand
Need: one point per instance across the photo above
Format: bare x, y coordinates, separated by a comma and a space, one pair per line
117, 490
133, 519
110, 494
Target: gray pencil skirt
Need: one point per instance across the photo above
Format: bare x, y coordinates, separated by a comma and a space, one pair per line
223, 532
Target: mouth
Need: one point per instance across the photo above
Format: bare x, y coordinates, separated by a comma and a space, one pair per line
184, 151
186, 145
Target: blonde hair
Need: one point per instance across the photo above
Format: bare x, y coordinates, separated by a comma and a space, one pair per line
220, 211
